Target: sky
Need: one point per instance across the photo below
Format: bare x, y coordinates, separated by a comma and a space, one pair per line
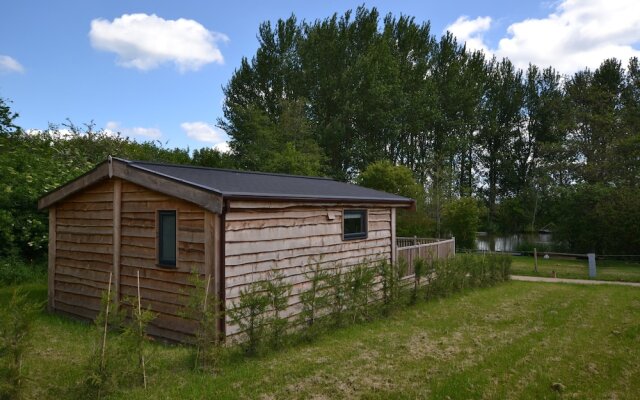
155, 69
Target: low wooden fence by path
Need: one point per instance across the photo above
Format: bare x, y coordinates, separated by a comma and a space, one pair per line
411, 248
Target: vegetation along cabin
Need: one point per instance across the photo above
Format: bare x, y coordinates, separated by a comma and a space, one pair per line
235, 227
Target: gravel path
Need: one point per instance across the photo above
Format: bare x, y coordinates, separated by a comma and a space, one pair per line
578, 281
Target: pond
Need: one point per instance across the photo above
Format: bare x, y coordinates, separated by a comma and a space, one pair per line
493, 242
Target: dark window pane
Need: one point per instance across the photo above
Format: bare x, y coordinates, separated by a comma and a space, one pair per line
167, 239
355, 224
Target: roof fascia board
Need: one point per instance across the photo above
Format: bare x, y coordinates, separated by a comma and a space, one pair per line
120, 169
171, 187
100, 172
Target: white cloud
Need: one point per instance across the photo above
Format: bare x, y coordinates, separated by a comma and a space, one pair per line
146, 41
471, 31
223, 147
203, 132
112, 128
577, 34
10, 64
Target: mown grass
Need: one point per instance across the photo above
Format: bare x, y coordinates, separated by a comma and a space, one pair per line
608, 270
511, 341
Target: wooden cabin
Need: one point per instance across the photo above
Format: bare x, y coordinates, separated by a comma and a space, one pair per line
163, 221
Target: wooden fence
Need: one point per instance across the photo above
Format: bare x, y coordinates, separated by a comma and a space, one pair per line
409, 249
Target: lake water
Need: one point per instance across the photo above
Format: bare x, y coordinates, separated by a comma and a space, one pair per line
490, 242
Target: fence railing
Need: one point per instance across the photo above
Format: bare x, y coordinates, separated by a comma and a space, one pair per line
409, 249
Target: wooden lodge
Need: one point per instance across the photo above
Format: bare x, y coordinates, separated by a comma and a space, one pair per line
163, 221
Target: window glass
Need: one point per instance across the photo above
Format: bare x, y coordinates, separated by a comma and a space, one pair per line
355, 224
167, 238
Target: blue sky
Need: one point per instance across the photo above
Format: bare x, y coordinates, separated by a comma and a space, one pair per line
154, 69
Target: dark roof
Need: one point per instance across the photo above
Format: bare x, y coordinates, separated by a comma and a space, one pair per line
243, 184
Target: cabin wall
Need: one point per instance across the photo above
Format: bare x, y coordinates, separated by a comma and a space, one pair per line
162, 289
84, 253
290, 237
83, 247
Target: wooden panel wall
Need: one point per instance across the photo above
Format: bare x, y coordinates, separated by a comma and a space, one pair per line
83, 250
289, 237
162, 289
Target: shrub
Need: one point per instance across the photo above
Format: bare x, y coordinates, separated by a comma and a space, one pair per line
201, 307
314, 300
277, 292
339, 286
390, 276
420, 270
14, 271
249, 315
359, 284
16, 326
461, 217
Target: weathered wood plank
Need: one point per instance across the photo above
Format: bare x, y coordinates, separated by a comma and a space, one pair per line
85, 247
87, 273
87, 215
275, 245
117, 237
51, 268
311, 254
83, 255
86, 238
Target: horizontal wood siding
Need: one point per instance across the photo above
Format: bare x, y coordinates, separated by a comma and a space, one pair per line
162, 289
289, 237
83, 248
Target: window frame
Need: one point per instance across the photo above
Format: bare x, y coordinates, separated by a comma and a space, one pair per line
364, 216
163, 263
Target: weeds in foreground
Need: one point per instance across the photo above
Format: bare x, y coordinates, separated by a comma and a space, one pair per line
16, 326
202, 308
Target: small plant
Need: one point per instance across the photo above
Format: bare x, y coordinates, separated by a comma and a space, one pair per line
249, 315
277, 292
202, 307
314, 300
16, 326
338, 286
134, 337
359, 282
390, 276
419, 270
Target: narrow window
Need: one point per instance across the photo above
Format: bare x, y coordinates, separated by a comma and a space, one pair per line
355, 224
167, 238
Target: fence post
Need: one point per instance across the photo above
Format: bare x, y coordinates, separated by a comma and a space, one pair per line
592, 264
535, 259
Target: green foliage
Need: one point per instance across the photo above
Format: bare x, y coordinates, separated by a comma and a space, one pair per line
277, 291
14, 270
202, 307
339, 288
600, 219
390, 276
16, 328
466, 271
419, 271
359, 285
120, 351
461, 217
249, 315
314, 300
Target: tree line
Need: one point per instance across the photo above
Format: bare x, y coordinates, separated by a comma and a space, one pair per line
335, 95
383, 102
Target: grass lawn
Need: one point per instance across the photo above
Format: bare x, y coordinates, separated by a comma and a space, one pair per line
511, 341
609, 270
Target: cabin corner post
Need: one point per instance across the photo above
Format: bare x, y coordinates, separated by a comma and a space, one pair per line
117, 236
51, 268
394, 256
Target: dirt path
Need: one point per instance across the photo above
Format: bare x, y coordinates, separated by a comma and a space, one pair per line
578, 281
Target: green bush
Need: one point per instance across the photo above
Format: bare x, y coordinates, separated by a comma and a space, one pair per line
461, 217
14, 270
16, 326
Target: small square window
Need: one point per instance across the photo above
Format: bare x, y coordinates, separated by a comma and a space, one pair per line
167, 238
355, 224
